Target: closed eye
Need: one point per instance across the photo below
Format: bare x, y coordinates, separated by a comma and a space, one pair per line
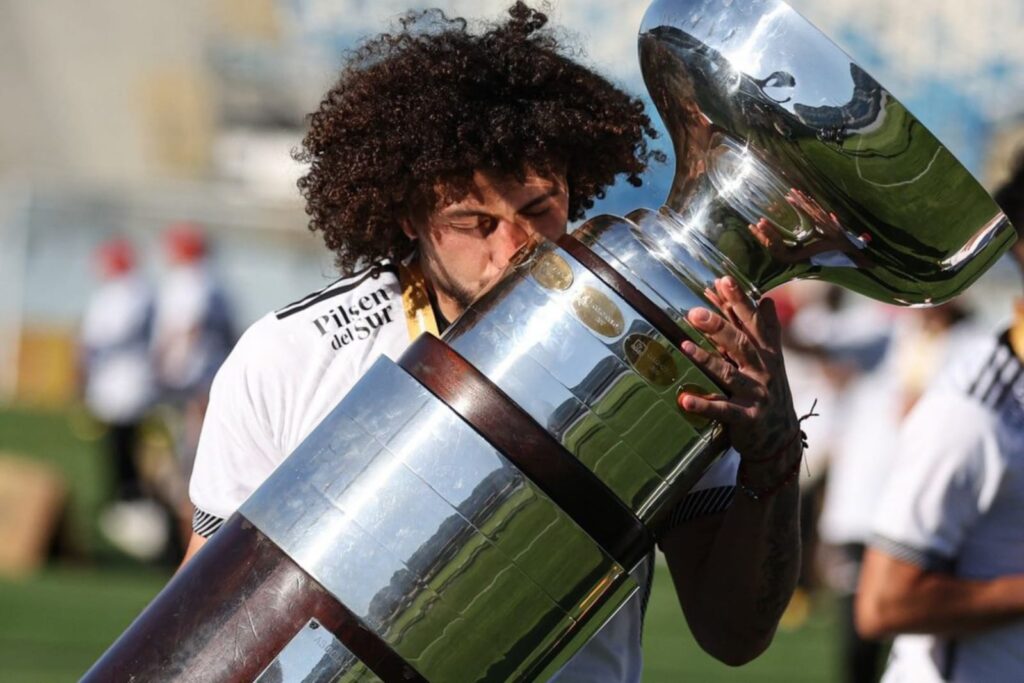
537, 211
484, 224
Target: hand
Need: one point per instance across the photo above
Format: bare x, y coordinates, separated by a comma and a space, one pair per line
757, 411
829, 235
826, 224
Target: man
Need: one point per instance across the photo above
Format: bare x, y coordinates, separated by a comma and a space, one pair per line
192, 335
444, 151
944, 571
119, 389
193, 330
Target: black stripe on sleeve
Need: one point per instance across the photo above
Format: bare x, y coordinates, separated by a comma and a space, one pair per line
335, 289
1008, 384
205, 524
700, 504
996, 377
343, 280
975, 388
929, 560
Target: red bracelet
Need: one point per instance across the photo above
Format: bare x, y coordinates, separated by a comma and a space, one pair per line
791, 473
765, 493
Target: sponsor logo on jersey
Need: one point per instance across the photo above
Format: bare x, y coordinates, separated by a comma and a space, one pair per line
356, 321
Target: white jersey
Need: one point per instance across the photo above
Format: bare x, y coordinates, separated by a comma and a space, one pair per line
193, 332
293, 366
871, 412
115, 338
954, 503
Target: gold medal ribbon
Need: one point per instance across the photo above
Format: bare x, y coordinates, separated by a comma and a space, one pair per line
419, 314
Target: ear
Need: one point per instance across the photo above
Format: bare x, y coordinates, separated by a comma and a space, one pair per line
409, 229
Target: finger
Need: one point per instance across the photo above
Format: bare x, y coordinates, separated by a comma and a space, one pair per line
712, 297
797, 202
696, 318
724, 303
760, 235
724, 374
742, 309
769, 229
726, 336
760, 322
774, 240
711, 408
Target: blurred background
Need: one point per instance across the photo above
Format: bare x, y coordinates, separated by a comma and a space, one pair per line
145, 160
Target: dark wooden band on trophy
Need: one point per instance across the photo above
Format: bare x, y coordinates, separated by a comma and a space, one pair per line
228, 613
506, 426
621, 286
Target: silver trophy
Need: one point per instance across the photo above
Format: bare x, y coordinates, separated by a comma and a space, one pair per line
476, 510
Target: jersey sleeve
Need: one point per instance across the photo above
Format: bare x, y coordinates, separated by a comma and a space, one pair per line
713, 493
945, 475
237, 445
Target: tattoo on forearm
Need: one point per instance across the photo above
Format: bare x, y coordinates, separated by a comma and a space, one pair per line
782, 557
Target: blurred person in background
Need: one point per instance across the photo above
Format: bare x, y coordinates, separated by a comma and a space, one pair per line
944, 569
834, 341
800, 306
119, 388
426, 176
875, 399
193, 334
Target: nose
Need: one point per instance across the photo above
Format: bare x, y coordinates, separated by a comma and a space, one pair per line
512, 236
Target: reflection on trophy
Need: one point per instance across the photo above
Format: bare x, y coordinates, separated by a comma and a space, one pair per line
478, 509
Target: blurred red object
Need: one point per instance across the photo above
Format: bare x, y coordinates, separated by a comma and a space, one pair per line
785, 306
115, 257
184, 242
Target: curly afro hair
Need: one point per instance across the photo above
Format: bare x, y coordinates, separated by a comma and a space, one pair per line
423, 108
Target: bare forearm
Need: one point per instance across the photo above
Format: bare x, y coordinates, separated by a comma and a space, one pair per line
736, 573
195, 543
754, 564
898, 598
734, 598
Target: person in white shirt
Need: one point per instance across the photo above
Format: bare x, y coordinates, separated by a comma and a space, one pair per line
193, 331
119, 388
114, 341
873, 405
193, 334
439, 152
944, 571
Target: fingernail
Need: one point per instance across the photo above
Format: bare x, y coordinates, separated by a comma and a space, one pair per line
687, 401
689, 347
701, 315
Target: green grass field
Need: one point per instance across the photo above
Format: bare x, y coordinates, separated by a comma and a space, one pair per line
56, 623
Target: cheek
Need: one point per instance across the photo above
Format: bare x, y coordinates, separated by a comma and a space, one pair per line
557, 221
464, 256
554, 224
